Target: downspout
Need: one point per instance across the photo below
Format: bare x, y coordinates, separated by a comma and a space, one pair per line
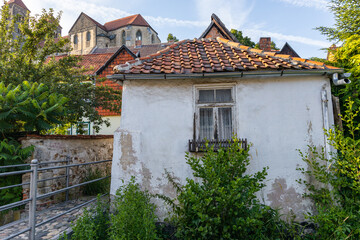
325, 116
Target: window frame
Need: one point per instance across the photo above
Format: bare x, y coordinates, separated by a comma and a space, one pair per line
215, 106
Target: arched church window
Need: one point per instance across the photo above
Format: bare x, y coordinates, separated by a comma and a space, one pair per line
138, 35
75, 39
152, 38
123, 37
88, 36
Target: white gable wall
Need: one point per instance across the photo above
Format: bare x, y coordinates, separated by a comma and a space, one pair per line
277, 114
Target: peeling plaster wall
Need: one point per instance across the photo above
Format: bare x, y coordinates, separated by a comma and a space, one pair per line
277, 114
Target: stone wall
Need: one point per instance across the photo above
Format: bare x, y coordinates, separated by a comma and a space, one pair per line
78, 149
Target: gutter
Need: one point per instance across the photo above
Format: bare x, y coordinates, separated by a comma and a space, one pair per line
324, 72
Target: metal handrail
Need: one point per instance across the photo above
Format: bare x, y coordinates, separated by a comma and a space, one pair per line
73, 165
28, 164
33, 192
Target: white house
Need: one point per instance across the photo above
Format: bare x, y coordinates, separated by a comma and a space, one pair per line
197, 89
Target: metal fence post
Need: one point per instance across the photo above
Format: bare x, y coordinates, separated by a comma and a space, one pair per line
67, 177
33, 191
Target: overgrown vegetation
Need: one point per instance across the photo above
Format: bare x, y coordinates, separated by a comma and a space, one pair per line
93, 224
334, 184
222, 204
134, 216
102, 186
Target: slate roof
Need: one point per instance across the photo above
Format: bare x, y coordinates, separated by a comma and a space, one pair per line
19, 3
210, 56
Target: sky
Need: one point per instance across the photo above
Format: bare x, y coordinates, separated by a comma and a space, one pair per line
291, 21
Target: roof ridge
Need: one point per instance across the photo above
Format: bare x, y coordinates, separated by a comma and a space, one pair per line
96, 22
272, 54
122, 18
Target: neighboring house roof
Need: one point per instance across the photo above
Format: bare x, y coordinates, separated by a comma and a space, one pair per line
139, 51
113, 56
287, 49
136, 19
211, 56
220, 26
19, 3
89, 61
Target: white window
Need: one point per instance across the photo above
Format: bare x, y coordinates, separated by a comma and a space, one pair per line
215, 112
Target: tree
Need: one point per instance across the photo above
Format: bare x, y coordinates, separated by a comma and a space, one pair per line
272, 45
25, 58
243, 40
347, 24
171, 37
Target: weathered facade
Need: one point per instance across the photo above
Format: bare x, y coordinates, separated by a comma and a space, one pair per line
87, 34
279, 104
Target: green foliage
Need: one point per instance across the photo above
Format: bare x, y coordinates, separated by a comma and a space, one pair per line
334, 184
102, 186
171, 37
222, 204
272, 45
11, 153
243, 40
28, 57
134, 216
93, 224
29, 107
347, 24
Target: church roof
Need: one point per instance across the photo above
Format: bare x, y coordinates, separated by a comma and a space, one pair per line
136, 19
19, 3
215, 56
221, 30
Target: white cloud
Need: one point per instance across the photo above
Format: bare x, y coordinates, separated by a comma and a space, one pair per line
319, 4
256, 34
71, 10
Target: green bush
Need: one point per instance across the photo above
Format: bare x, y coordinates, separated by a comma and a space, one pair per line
223, 203
134, 216
334, 184
93, 224
102, 186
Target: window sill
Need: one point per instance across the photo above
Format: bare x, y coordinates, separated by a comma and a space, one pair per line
199, 145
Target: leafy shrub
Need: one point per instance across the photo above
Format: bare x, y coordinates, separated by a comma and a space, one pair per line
93, 224
102, 186
11, 153
134, 216
334, 184
223, 204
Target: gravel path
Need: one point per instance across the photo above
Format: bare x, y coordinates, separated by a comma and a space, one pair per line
50, 230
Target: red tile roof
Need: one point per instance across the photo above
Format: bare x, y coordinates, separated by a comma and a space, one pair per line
210, 55
136, 19
19, 3
90, 61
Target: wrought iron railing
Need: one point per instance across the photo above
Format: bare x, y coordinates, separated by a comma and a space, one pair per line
200, 145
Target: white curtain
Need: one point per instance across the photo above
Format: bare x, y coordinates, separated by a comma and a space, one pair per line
206, 96
225, 123
223, 95
206, 123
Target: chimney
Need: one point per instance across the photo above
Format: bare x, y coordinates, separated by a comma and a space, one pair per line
265, 43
